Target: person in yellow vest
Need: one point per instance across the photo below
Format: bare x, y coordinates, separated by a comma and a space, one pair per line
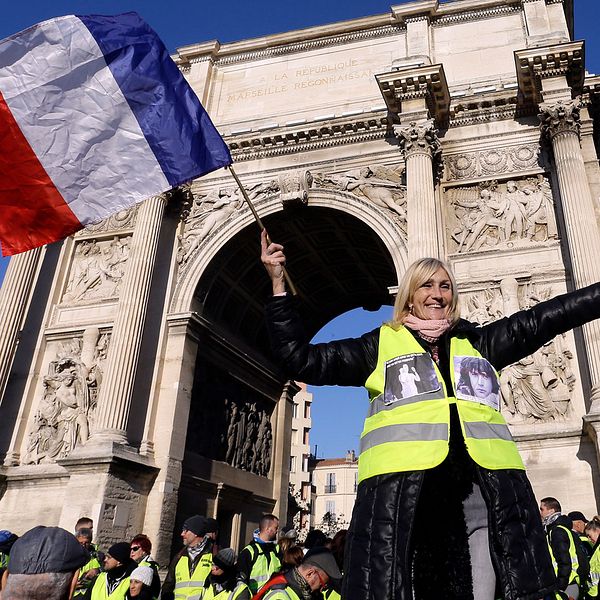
304, 582
260, 558
223, 582
440, 450
592, 530
113, 582
570, 561
89, 571
191, 566
140, 551
579, 522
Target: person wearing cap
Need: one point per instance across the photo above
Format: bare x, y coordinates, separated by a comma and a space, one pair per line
140, 548
113, 583
579, 522
571, 565
44, 565
191, 566
261, 557
89, 571
317, 570
223, 582
140, 582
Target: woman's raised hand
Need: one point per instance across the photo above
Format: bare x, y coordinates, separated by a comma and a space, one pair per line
273, 259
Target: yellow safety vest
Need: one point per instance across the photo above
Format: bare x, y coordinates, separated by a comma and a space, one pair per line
191, 587
263, 566
210, 594
86, 583
3, 560
281, 592
412, 434
100, 592
574, 576
594, 573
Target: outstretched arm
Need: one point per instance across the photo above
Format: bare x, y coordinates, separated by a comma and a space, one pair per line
510, 339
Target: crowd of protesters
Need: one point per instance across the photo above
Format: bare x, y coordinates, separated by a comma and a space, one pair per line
52, 564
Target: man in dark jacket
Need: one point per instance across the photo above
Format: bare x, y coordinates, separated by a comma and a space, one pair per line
570, 561
191, 566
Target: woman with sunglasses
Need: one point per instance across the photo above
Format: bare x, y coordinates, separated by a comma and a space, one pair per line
140, 549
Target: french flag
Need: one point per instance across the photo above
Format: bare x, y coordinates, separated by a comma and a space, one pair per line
94, 117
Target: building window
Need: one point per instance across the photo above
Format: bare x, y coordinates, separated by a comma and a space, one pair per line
295, 437
305, 440
295, 411
305, 491
292, 464
330, 487
307, 411
330, 508
305, 463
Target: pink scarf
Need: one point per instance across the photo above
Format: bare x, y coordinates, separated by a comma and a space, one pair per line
429, 329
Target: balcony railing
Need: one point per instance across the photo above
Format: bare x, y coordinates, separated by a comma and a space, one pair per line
330, 489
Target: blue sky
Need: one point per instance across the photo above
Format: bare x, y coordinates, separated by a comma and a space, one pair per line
337, 412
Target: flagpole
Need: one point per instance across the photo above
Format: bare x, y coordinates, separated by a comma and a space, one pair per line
288, 280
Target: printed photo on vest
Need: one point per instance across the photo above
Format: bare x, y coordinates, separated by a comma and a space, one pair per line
409, 376
476, 381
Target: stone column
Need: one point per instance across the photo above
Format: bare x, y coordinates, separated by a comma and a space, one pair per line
419, 99
421, 150
560, 123
114, 398
14, 298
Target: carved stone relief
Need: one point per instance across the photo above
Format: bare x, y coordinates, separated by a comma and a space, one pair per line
234, 426
97, 270
210, 211
380, 185
65, 414
124, 219
501, 215
497, 161
536, 388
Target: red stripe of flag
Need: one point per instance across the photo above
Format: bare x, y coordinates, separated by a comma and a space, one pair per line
32, 211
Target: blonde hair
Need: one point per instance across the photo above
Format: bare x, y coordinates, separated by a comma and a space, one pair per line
416, 275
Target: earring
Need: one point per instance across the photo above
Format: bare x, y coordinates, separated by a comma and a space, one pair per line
410, 309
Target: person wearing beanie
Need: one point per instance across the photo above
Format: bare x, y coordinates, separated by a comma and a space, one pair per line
140, 582
223, 582
191, 566
140, 548
317, 570
113, 582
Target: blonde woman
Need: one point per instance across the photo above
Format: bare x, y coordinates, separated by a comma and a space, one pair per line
444, 508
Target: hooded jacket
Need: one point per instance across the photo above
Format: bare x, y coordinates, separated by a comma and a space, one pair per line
382, 544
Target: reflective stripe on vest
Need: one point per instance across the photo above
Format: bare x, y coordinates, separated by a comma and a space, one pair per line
191, 587
225, 594
264, 564
594, 573
100, 591
412, 433
285, 591
573, 576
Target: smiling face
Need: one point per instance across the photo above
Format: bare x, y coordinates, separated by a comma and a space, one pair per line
433, 298
135, 588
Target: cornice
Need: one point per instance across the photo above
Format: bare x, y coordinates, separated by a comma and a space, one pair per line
475, 15
304, 45
313, 136
534, 64
428, 82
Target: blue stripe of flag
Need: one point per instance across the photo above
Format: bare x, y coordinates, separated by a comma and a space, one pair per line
178, 129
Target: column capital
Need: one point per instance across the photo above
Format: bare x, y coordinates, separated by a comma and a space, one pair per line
420, 138
535, 65
417, 93
559, 118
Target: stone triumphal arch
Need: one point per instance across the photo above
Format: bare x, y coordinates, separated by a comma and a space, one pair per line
137, 386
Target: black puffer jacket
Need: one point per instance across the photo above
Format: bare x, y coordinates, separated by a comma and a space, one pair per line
391, 536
